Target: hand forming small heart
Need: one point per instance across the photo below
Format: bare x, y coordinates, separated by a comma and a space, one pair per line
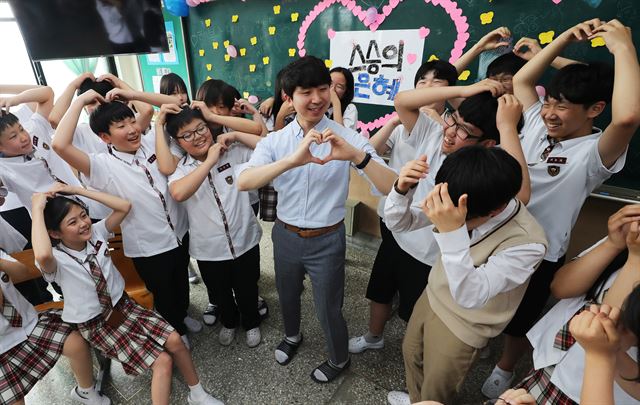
318, 149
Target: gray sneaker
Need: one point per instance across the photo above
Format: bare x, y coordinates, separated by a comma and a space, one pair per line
225, 337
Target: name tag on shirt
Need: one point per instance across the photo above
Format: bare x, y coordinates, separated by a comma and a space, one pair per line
152, 158
557, 160
224, 167
35, 141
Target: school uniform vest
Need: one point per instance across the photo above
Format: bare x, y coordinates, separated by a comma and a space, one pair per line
477, 325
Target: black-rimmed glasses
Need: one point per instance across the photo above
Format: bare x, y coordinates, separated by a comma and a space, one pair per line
190, 136
461, 132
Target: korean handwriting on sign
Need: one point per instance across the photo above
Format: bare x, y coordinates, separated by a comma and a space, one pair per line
366, 69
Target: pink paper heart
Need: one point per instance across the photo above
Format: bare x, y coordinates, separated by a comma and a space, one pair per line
386, 10
394, 3
556, 1
331, 33
411, 58
380, 19
302, 52
424, 32
373, 27
351, 5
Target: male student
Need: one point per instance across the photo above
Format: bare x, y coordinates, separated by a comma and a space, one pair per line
309, 163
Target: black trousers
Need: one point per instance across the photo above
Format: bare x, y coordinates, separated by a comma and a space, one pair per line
166, 276
237, 277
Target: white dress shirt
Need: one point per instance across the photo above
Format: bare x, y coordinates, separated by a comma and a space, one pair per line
78, 286
10, 239
88, 141
473, 287
310, 196
11, 336
222, 225
349, 117
556, 200
146, 230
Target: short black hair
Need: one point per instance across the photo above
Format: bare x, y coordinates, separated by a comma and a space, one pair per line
102, 87
106, 114
171, 82
349, 90
480, 110
441, 70
509, 63
214, 91
7, 120
584, 84
277, 93
56, 209
175, 122
631, 321
305, 72
489, 176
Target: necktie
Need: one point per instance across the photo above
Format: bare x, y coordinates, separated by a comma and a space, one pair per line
564, 339
101, 285
11, 314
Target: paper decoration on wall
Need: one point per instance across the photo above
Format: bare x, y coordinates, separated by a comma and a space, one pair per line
292, 52
598, 41
234, 18
328, 63
556, 1
541, 91
209, 67
331, 33
207, 22
464, 75
272, 30
177, 7
243, 51
486, 18
546, 37
424, 32
208, 77
227, 58
370, 15
245, 95
294, 17
226, 44
215, 44
252, 68
276, 9
201, 52
253, 40
433, 57
411, 58
265, 60
232, 51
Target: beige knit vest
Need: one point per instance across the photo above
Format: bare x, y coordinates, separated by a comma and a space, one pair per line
476, 326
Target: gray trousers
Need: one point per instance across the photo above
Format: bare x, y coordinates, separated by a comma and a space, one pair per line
322, 258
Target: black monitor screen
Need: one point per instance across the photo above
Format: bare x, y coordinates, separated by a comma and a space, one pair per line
62, 29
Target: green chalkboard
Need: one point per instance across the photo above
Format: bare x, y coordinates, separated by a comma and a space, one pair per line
238, 22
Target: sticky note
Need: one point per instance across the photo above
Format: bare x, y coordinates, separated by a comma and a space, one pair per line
252, 68
207, 22
245, 95
432, 57
486, 18
208, 77
227, 57
243, 51
201, 52
234, 18
276, 9
215, 44
464, 75
253, 40
546, 37
209, 66
272, 30
265, 60
598, 41
292, 52
328, 63
226, 44
294, 17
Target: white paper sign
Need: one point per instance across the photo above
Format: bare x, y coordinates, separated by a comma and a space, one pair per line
383, 62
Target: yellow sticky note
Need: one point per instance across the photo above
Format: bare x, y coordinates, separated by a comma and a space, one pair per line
207, 22
209, 66
464, 75
215, 44
245, 95
253, 40
227, 58
243, 51
598, 41
265, 60
294, 17
226, 44
328, 63
252, 68
292, 52
276, 9
272, 30
234, 18
201, 52
546, 37
208, 77
432, 57
486, 18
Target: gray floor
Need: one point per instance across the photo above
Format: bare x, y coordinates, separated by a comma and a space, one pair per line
239, 375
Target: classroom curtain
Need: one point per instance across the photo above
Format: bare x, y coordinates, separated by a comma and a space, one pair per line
81, 65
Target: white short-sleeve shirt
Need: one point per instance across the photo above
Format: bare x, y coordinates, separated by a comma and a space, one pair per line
10, 239
349, 117
222, 225
146, 230
88, 141
11, 336
561, 183
78, 286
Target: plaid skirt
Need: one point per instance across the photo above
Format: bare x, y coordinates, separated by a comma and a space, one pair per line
136, 343
22, 366
539, 384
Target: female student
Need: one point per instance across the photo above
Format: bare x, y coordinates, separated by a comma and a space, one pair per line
278, 110
342, 110
71, 250
172, 85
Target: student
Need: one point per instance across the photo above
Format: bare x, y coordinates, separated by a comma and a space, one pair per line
342, 110
604, 274
68, 248
155, 233
172, 85
308, 162
490, 246
225, 233
567, 157
278, 110
502, 69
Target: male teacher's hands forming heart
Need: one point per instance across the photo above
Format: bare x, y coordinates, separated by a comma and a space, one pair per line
340, 149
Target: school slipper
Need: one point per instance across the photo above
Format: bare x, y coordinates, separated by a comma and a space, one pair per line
329, 371
289, 349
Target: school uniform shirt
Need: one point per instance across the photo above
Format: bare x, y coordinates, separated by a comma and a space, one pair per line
156, 221
414, 235
561, 183
78, 286
11, 336
310, 196
23, 112
349, 117
88, 141
38, 171
270, 122
222, 225
10, 239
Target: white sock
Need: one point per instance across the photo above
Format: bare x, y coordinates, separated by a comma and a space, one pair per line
85, 391
281, 356
371, 338
503, 373
197, 391
293, 339
339, 365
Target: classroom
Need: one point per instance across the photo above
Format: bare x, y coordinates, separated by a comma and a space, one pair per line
319, 201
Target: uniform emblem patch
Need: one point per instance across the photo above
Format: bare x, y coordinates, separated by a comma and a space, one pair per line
229, 180
553, 170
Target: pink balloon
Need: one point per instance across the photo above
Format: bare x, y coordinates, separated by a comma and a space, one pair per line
253, 99
192, 3
232, 51
371, 15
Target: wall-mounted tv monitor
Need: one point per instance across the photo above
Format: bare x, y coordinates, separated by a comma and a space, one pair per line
63, 29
